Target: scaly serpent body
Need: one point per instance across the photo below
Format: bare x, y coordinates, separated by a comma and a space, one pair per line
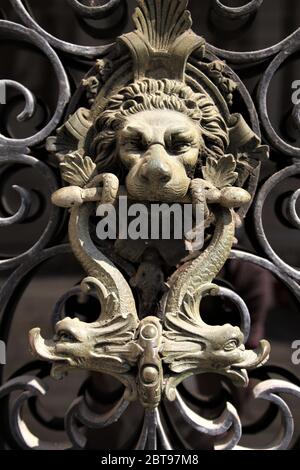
96, 264
203, 269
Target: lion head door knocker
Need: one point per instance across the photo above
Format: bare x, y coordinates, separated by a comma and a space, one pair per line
158, 129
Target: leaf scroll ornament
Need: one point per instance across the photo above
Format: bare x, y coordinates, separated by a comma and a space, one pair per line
77, 169
221, 173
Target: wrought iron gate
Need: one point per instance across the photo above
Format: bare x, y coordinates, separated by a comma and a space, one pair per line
91, 410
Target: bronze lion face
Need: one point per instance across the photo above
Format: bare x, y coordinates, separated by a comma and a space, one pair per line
157, 132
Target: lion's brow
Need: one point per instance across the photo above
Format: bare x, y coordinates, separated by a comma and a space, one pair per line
138, 131
135, 130
180, 132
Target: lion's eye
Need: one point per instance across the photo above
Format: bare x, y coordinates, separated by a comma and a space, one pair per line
231, 345
137, 144
180, 147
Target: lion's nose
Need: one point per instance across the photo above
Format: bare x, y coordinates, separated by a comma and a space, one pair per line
155, 170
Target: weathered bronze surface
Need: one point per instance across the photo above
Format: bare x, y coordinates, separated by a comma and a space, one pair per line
159, 128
